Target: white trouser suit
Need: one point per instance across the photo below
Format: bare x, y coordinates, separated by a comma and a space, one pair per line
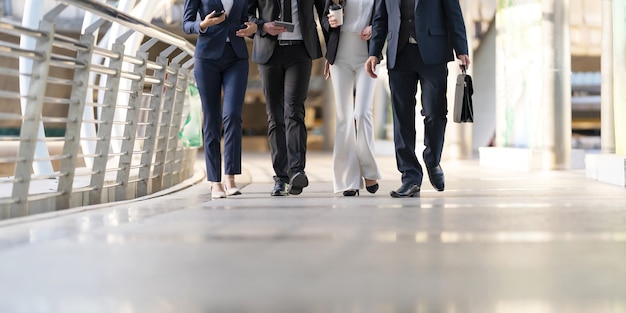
353, 154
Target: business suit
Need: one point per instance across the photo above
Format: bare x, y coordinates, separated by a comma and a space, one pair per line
285, 70
221, 62
419, 44
346, 52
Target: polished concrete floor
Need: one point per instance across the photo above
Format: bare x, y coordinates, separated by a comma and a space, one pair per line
494, 241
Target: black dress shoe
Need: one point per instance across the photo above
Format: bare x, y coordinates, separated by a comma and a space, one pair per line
297, 183
435, 174
280, 189
372, 188
351, 193
407, 190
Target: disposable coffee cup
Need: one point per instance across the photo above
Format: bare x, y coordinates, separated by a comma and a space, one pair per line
337, 11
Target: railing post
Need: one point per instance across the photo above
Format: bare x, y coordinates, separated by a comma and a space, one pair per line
106, 126
171, 143
163, 127
152, 120
180, 151
172, 165
74, 123
32, 119
130, 129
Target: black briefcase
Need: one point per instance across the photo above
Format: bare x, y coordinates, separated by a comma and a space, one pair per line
463, 107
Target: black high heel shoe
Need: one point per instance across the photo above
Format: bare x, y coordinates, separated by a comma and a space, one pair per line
372, 188
350, 193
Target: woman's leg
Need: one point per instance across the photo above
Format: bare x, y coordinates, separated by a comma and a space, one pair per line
346, 169
364, 118
209, 80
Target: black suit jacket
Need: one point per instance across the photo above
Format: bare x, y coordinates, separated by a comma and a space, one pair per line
331, 35
439, 26
262, 11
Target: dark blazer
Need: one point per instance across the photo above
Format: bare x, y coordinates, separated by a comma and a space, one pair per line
262, 11
211, 43
331, 35
439, 27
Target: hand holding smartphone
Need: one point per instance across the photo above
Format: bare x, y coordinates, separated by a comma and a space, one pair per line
217, 14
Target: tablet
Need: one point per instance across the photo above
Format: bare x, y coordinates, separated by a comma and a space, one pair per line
288, 26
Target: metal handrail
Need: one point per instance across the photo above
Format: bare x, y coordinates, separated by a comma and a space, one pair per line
150, 158
112, 14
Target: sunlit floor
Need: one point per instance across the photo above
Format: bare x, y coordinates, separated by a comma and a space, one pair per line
494, 241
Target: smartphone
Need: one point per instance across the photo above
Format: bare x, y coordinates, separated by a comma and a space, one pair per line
218, 14
243, 26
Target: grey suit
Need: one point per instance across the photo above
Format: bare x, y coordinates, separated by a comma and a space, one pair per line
439, 29
262, 11
285, 70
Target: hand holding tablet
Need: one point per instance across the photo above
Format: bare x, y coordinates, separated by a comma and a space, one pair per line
288, 26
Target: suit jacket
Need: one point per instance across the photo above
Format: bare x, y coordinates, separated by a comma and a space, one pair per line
332, 35
262, 11
439, 27
211, 43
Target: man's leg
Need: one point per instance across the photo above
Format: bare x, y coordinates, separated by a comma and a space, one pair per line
434, 109
297, 78
272, 77
403, 84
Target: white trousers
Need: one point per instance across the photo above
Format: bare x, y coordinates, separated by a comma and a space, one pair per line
353, 153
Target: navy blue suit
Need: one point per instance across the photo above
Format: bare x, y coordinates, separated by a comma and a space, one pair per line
439, 29
220, 65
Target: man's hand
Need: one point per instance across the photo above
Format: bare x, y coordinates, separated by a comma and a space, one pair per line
465, 61
248, 31
370, 66
272, 29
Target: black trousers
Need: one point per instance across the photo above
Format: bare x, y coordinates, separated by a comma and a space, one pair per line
403, 79
285, 79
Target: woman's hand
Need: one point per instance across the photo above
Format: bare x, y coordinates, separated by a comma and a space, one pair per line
211, 20
326, 69
248, 31
332, 21
366, 33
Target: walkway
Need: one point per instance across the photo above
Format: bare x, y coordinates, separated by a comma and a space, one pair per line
494, 241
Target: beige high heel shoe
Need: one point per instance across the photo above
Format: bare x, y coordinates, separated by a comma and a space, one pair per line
217, 191
231, 187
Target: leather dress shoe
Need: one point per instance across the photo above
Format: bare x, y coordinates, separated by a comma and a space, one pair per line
435, 174
280, 189
351, 193
297, 183
407, 190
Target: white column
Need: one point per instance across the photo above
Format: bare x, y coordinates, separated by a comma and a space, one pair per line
619, 75
606, 118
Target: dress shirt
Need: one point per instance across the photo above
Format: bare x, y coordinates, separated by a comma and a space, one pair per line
357, 15
296, 34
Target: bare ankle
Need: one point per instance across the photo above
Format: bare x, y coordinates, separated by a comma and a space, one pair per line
217, 186
370, 182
